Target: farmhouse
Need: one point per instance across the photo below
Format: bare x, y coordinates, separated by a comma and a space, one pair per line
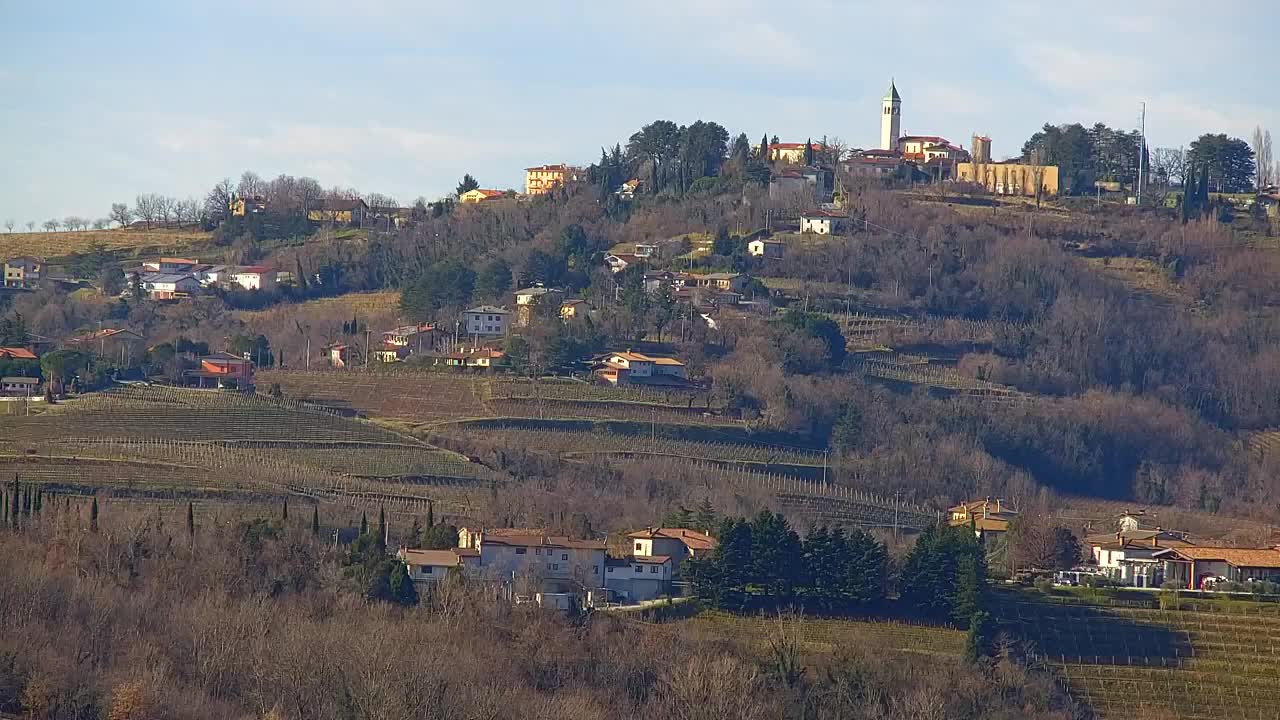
793, 153
19, 387
22, 272
631, 368
486, 321
528, 298
111, 343
239, 207
1127, 556
339, 212
1200, 568
555, 564
733, 282
477, 195
429, 567
638, 578
570, 309
170, 286
988, 517
416, 338
767, 249
254, 277
222, 370
677, 543
170, 265
819, 223
341, 355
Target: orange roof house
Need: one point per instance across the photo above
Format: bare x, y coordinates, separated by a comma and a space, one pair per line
16, 353
479, 195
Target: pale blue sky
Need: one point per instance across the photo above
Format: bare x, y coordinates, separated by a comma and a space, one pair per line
100, 101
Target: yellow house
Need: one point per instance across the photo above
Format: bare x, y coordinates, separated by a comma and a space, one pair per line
240, 207
570, 309
545, 178
338, 212
1010, 178
792, 153
479, 195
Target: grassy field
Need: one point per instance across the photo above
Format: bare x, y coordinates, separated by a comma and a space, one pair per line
1144, 662
829, 635
57, 244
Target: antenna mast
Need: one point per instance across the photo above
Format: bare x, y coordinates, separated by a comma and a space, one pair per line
1142, 148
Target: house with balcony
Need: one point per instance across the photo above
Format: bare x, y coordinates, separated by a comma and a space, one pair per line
632, 368
170, 286
545, 178
531, 558
1127, 556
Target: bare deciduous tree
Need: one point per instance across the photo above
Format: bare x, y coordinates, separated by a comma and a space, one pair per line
1168, 166
120, 214
8, 224
101, 223
218, 201
1262, 155
147, 208
51, 225
31, 225
251, 185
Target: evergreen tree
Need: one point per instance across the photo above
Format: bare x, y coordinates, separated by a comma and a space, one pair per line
764, 148
401, 586
364, 523
415, 534
971, 583
865, 567
191, 520
1202, 203
26, 501
93, 516
979, 642
808, 151
823, 563
382, 529
705, 517
1190, 193
315, 521
776, 554
39, 501
15, 508
944, 575
431, 513
731, 563
681, 517
284, 511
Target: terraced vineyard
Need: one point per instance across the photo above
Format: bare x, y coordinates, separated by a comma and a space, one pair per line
1177, 664
405, 395
153, 441
577, 444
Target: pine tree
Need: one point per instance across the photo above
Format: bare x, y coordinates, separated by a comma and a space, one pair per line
402, 590
415, 534
705, 518
978, 643
776, 554
315, 521
15, 508
191, 520
382, 529
364, 523
93, 516
26, 501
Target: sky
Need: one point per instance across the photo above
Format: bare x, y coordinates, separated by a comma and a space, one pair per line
102, 101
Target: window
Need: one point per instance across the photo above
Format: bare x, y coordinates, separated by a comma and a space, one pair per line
520, 551
653, 569
425, 569
639, 546
639, 569
595, 569
555, 566
564, 556
610, 569
537, 551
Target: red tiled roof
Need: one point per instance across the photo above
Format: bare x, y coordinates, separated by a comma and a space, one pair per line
17, 353
252, 270
692, 539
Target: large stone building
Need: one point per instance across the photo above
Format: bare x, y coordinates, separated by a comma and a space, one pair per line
1010, 178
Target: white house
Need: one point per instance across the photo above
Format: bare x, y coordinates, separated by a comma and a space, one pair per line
553, 563
625, 368
817, 223
254, 277
19, 386
638, 578
170, 265
1201, 568
169, 286
211, 274
679, 544
486, 320
1128, 557
616, 263
767, 249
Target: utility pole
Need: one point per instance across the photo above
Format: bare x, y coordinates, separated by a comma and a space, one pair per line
1142, 148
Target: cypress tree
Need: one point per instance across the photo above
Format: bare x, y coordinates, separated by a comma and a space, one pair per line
1189, 193
93, 516
764, 148
191, 520
364, 523
382, 529
431, 513
808, 151
1203, 203
284, 511
4, 503
315, 521
978, 641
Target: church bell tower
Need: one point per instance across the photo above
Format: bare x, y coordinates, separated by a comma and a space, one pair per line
890, 119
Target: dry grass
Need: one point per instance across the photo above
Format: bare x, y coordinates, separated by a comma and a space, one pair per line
354, 303
56, 244
1140, 274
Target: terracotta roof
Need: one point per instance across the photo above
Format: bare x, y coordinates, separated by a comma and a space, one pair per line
650, 559
17, 353
104, 334
438, 558
252, 270
1240, 557
542, 541
692, 539
178, 261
